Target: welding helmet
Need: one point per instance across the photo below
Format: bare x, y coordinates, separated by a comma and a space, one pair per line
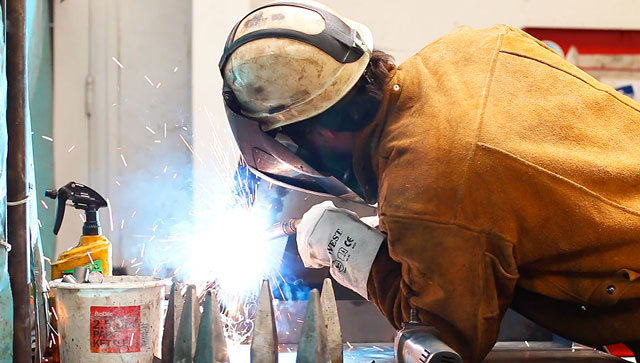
285, 63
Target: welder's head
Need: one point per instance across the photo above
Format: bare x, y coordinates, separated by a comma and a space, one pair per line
287, 62
292, 73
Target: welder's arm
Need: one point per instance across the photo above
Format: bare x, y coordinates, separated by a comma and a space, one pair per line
336, 237
461, 281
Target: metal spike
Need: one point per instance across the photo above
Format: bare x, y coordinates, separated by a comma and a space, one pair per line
185, 345
211, 344
312, 347
169, 333
331, 322
264, 344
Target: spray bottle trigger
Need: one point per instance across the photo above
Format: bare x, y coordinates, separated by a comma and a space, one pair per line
61, 199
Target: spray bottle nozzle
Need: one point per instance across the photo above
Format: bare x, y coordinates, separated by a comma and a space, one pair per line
81, 197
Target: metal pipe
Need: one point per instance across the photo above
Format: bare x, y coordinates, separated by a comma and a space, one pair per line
19, 257
418, 342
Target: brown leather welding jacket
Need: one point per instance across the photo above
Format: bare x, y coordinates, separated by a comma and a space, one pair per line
505, 176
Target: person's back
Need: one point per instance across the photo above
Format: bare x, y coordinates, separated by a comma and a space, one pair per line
506, 173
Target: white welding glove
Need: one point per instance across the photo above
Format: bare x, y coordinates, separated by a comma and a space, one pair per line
335, 237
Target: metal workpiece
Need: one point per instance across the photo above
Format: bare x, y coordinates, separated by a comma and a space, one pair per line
69, 279
264, 343
95, 277
312, 347
168, 335
331, 321
81, 274
211, 344
417, 342
185, 340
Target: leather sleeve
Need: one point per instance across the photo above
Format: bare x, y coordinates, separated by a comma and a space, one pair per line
461, 281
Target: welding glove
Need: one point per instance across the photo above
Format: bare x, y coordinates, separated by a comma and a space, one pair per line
335, 237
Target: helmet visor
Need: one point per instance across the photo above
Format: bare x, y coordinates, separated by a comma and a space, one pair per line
276, 162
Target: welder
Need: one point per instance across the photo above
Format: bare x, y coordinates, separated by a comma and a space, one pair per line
504, 176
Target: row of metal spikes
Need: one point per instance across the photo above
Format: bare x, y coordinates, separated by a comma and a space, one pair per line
200, 338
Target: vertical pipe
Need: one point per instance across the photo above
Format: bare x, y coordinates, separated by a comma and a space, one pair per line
16, 178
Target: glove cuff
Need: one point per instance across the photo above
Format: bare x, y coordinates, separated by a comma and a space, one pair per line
351, 260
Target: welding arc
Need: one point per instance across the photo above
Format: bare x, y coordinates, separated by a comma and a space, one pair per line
283, 229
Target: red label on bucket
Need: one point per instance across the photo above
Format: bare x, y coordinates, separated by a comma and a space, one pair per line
115, 329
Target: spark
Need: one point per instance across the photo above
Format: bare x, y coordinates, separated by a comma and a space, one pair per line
122, 224
71, 148
135, 273
53, 330
124, 161
158, 85
137, 264
164, 171
150, 130
175, 175
175, 69
152, 238
90, 258
47, 259
142, 250
526, 343
165, 130
131, 340
81, 217
53, 339
55, 314
190, 148
118, 183
47, 138
134, 213
148, 80
157, 141
378, 348
117, 62
44, 204
110, 213
350, 346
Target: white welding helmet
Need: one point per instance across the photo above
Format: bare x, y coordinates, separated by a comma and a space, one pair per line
286, 62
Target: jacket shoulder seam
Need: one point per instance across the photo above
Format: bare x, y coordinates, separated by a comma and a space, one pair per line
619, 99
562, 178
480, 119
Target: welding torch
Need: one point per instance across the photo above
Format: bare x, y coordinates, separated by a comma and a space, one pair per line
282, 229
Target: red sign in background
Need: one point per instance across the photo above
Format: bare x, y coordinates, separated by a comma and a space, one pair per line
115, 329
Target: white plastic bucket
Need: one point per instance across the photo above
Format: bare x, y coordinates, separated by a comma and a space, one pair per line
115, 321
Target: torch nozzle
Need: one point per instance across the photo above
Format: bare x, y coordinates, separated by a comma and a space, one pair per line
282, 229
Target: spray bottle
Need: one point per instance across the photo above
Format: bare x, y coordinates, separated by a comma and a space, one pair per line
94, 249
